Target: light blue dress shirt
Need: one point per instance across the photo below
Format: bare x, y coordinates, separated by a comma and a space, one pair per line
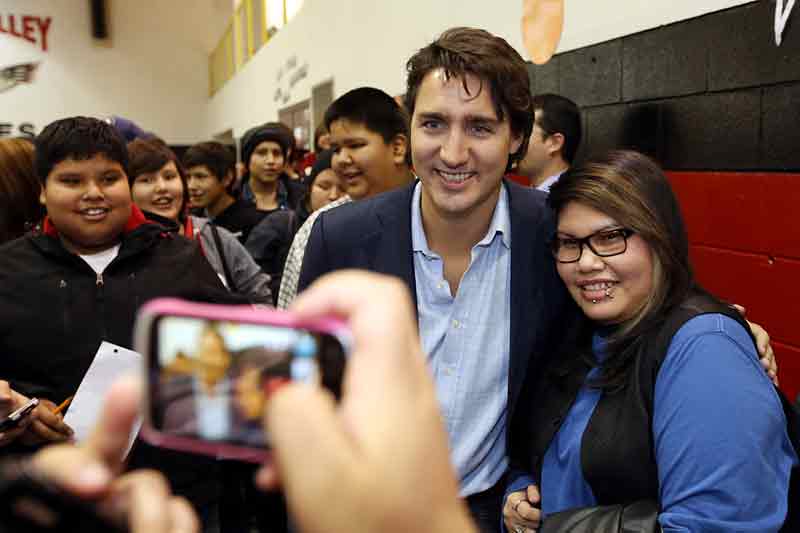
466, 339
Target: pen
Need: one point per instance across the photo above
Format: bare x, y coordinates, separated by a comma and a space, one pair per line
63, 405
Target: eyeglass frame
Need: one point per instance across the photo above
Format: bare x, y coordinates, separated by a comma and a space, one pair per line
626, 234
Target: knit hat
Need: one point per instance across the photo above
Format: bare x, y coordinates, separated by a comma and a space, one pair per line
271, 131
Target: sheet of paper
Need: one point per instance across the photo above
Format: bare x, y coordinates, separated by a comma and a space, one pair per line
111, 362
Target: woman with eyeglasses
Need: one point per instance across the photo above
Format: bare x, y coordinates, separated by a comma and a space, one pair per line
656, 412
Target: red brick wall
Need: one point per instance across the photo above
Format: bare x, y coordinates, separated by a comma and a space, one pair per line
745, 247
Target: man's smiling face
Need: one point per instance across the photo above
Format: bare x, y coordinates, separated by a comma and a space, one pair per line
459, 146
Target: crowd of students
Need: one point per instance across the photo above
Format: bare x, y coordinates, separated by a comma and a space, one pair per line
582, 376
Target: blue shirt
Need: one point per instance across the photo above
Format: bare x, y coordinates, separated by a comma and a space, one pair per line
283, 194
467, 342
722, 449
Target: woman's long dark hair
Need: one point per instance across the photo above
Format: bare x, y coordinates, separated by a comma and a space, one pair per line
633, 190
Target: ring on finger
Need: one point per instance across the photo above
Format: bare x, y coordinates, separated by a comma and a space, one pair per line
519, 529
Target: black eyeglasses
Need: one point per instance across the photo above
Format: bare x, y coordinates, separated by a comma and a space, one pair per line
605, 243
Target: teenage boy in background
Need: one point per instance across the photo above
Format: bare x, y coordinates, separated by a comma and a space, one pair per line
210, 170
369, 137
266, 150
554, 140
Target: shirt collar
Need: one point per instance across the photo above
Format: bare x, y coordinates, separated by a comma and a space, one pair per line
283, 192
549, 182
500, 223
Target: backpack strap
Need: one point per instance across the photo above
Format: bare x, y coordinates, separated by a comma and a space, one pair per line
225, 269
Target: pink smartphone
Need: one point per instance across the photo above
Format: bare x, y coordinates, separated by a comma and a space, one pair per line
210, 369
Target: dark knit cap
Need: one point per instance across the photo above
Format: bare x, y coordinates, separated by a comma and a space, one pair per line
271, 131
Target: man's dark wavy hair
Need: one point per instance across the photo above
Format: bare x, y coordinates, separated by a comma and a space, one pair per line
462, 51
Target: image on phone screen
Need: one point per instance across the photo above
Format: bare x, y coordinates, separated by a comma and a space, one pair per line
212, 378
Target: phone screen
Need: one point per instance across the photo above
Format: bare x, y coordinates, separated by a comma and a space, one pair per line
209, 379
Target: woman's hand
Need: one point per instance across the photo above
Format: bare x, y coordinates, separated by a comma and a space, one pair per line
521, 512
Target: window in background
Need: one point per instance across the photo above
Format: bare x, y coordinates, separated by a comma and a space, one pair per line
275, 16
297, 117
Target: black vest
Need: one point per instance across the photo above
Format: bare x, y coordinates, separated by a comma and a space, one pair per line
617, 451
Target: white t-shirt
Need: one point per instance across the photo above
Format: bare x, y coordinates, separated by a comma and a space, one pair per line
101, 260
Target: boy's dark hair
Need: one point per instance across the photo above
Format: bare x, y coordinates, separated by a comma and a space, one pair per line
150, 155
560, 115
218, 158
77, 138
372, 108
463, 51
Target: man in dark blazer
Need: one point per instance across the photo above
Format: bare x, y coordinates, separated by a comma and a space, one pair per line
486, 307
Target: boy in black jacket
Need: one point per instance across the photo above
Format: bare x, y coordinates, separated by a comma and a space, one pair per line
82, 280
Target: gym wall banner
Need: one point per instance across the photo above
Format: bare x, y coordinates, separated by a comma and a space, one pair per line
34, 30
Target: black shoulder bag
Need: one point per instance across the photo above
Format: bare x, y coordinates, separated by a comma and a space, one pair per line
225, 270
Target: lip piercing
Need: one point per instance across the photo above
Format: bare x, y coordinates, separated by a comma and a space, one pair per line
609, 294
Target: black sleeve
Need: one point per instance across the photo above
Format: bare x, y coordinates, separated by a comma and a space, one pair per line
282, 245
316, 262
269, 244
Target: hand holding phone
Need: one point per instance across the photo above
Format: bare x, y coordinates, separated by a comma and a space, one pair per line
380, 457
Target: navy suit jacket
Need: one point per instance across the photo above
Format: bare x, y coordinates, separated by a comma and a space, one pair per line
375, 234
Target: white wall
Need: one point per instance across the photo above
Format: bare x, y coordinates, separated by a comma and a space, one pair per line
366, 42
153, 70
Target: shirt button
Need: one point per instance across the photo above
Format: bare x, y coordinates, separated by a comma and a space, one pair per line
456, 324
